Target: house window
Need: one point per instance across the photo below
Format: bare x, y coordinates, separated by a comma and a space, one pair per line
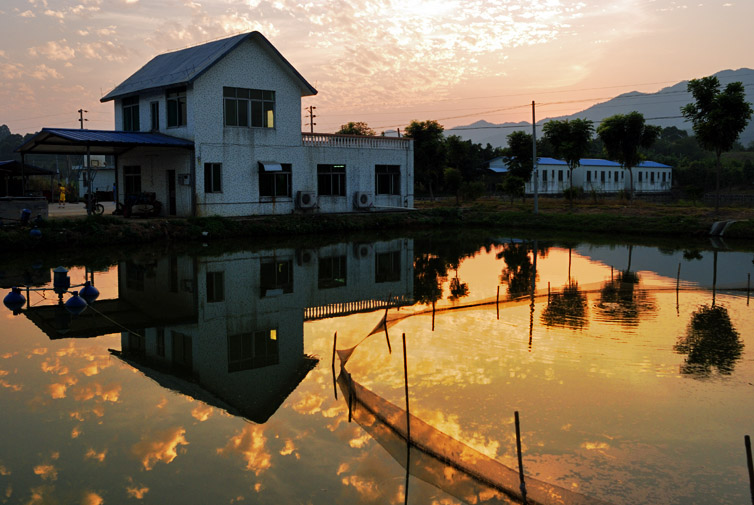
255, 349
182, 352
602, 177
213, 178
176, 100
652, 177
131, 114
249, 107
387, 179
161, 342
387, 267
544, 175
132, 180
136, 344
663, 177
135, 275
616, 176
215, 287
332, 272
331, 180
275, 183
589, 176
640, 174
621, 176
276, 276
154, 113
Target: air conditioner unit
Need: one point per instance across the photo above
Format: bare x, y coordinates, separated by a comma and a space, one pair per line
184, 179
306, 200
361, 251
305, 256
363, 200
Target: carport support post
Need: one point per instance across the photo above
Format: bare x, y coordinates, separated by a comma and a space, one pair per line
89, 202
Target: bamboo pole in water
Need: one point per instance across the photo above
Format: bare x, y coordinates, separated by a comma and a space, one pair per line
408, 422
747, 442
520, 458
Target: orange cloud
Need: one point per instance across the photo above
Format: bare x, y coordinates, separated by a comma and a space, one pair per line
92, 498
163, 447
250, 444
47, 472
136, 492
202, 412
97, 456
288, 448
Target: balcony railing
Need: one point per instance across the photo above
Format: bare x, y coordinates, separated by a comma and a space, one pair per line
354, 141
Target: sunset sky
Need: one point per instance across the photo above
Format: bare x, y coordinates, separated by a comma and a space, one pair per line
385, 62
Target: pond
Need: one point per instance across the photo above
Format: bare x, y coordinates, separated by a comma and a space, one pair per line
216, 375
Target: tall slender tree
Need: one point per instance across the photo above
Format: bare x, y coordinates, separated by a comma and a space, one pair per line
429, 152
623, 135
718, 118
570, 141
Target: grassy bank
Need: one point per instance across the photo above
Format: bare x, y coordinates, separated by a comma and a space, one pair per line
618, 219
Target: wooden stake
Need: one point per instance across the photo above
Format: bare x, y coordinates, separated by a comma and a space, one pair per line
405, 382
497, 302
520, 459
748, 287
433, 316
334, 345
747, 442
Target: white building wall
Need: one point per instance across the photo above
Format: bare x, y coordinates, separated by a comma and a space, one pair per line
154, 171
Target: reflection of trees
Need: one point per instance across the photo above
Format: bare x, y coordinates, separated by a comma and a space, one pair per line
567, 309
430, 272
711, 342
622, 301
518, 273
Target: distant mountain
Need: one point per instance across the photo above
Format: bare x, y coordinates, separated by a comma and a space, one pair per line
662, 108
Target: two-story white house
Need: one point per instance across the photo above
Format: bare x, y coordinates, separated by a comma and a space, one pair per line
215, 129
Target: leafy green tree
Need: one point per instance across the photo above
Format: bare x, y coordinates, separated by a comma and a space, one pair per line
513, 186
623, 135
518, 155
570, 140
356, 128
429, 152
718, 117
453, 179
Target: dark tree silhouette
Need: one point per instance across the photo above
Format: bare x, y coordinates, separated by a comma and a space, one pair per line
622, 302
711, 343
567, 309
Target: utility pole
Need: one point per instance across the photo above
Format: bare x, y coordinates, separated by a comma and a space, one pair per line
535, 170
81, 117
311, 122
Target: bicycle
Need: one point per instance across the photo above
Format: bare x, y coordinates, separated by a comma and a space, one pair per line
97, 208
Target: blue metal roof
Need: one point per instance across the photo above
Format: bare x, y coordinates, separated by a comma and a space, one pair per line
550, 161
596, 162
76, 141
652, 164
184, 66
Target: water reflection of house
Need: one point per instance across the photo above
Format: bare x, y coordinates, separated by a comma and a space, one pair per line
244, 352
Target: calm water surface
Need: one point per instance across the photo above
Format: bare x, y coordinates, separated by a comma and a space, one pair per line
208, 379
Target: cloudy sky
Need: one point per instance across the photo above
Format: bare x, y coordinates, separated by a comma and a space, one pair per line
385, 62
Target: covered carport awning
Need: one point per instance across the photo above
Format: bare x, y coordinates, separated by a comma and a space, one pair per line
107, 142
13, 168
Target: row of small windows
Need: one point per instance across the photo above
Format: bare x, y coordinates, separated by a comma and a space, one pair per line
276, 277
177, 115
606, 176
331, 180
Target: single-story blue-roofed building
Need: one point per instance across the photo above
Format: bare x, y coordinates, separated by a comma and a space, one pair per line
603, 176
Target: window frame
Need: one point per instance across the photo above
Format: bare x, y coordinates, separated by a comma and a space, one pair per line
154, 116
387, 180
248, 108
130, 110
213, 177
274, 180
177, 109
332, 272
331, 180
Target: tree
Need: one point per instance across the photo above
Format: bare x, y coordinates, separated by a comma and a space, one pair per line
718, 118
623, 135
453, 181
429, 152
570, 140
518, 155
711, 342
356, 128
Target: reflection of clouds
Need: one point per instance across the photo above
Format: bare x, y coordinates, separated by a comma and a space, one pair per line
366, 487
451, 426
288, 448
595, 446
46, 471
109, 393
12, 387
360, 441
97, 456
309, 404
39, 351
4, 471
58, 390
136, 492
75, 432
163, 447
50, 365
202, 412
250, 445
162, 403
92, 498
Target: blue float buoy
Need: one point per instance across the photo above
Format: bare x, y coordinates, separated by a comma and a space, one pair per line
89, 293
14, 300
35, 233
75, 304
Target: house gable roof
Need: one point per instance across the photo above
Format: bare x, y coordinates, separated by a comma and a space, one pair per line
186, 65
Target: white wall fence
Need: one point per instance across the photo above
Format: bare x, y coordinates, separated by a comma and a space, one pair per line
354, 141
